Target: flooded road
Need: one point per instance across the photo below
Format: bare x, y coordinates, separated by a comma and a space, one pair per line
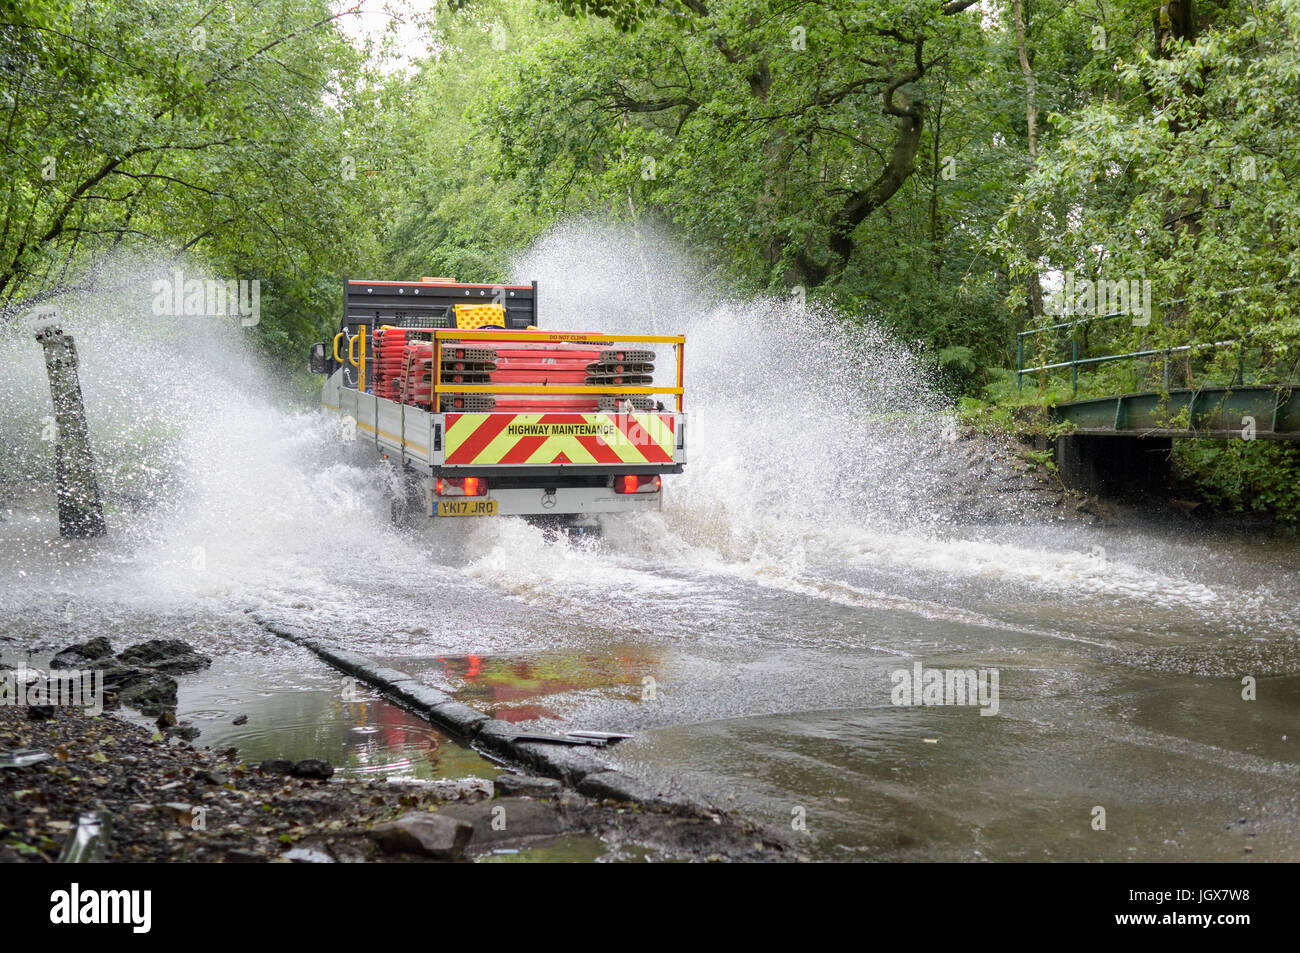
750, 636
772, 693
770, 690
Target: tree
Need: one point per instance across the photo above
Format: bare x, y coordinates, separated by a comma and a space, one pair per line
1186, 176
779, 128
241, 134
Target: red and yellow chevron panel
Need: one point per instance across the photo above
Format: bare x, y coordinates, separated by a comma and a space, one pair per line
541, 439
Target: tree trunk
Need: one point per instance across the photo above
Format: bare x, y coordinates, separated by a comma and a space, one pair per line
1033, 284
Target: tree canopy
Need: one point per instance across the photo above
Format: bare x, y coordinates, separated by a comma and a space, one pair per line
938, 166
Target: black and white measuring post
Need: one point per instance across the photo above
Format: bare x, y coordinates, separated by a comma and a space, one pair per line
81, 514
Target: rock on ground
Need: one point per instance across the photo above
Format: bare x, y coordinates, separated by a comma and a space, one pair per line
170, 656
437, 836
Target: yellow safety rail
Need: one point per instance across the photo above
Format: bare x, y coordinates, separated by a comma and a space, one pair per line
338, 359
352, 358
548, 337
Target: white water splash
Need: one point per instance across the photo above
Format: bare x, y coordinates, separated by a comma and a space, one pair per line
813, 444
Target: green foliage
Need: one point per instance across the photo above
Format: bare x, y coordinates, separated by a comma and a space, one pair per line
1037, 391
1243, 475
452, 215
752, 133
747, 127
1018, 421
221, 135
1177, 166
1185, 174
1043, 458
879, 155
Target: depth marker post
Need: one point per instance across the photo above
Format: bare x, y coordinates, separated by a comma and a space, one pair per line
81, 514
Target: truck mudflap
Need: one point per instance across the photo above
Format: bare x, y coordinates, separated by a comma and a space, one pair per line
496, 439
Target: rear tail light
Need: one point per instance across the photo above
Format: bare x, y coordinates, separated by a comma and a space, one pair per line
461, 486
638, 484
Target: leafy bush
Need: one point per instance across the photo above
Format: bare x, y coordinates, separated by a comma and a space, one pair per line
1243, 475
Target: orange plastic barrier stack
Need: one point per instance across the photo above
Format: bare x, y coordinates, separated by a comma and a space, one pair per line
403, 371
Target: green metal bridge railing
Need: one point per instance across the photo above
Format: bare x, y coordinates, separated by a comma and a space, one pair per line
1076, 361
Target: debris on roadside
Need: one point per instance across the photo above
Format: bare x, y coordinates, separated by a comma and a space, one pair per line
77, 784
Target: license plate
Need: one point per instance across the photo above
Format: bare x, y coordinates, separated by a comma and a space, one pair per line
467, 507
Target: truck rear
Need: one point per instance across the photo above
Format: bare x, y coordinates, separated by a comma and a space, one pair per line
486, 414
